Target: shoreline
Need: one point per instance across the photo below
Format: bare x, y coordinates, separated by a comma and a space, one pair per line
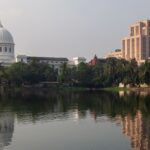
78, 89
132, 89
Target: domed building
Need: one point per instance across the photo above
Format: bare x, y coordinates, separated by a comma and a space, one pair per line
7, 56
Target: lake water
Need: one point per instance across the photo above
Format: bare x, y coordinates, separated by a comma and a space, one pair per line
74, 121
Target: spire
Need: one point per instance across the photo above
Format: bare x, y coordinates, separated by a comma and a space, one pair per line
95, 57
1, 26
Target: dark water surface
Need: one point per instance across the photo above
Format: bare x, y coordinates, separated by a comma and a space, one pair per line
74, 121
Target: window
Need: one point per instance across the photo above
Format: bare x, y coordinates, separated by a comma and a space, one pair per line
144, 48
138, 48
143, 31
123, 44
137, 30
0, 49
133, 47
128, 49
10, 50
123, 48
132, 31
5, 49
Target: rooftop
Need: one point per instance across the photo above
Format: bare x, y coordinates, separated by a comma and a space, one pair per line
44, 58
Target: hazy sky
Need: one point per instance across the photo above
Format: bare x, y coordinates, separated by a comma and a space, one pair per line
70, 28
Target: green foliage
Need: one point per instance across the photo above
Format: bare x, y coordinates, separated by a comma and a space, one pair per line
84, 74
104, 74
17, 73
144, 73
33, 73
107, 74
38, 72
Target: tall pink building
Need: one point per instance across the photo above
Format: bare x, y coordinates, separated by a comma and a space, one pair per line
137, 45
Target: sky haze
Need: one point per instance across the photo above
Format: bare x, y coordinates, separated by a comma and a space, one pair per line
68, 28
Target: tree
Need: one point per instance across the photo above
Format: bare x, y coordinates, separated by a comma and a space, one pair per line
31, 73
39, 72
17, 73
84, 74
144, 73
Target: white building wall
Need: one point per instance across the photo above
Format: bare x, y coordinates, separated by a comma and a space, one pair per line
7, 56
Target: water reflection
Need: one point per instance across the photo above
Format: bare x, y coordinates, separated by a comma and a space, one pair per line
131, 111
137, 128
6, 128
140, 92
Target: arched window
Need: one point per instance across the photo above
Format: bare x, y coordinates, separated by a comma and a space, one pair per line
0, 49
5, 49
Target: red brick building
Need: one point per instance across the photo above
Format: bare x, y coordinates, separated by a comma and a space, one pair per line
96, 61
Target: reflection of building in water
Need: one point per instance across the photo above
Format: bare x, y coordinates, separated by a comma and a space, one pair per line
121, 93
144, 93
6, 128
138, 130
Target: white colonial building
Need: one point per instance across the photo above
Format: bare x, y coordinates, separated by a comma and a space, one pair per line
7, 56
78, 60
52, 61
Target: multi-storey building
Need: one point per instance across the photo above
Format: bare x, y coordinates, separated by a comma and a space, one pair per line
115, 54
52, 61
137, 45
78, 60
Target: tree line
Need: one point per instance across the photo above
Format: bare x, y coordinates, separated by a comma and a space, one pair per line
107, 73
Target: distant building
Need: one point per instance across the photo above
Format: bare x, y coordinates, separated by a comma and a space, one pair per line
52, 61
116, 54
76, 61
137, 45
70, 64
96, 61
7, 56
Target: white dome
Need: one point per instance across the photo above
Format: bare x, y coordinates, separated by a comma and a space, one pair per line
5, 36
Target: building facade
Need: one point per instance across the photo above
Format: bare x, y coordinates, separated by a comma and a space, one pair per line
78, 60
137, 44
7, 56
52, 61
115, 54
96, 61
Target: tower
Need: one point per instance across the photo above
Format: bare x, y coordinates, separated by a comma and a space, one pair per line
137, 45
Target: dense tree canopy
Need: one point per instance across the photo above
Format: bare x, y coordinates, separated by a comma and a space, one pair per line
33, 73
109, 73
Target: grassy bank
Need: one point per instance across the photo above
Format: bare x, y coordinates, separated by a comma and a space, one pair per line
78, 89
74, 89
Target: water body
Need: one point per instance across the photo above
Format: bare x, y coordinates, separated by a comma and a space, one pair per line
45, 120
